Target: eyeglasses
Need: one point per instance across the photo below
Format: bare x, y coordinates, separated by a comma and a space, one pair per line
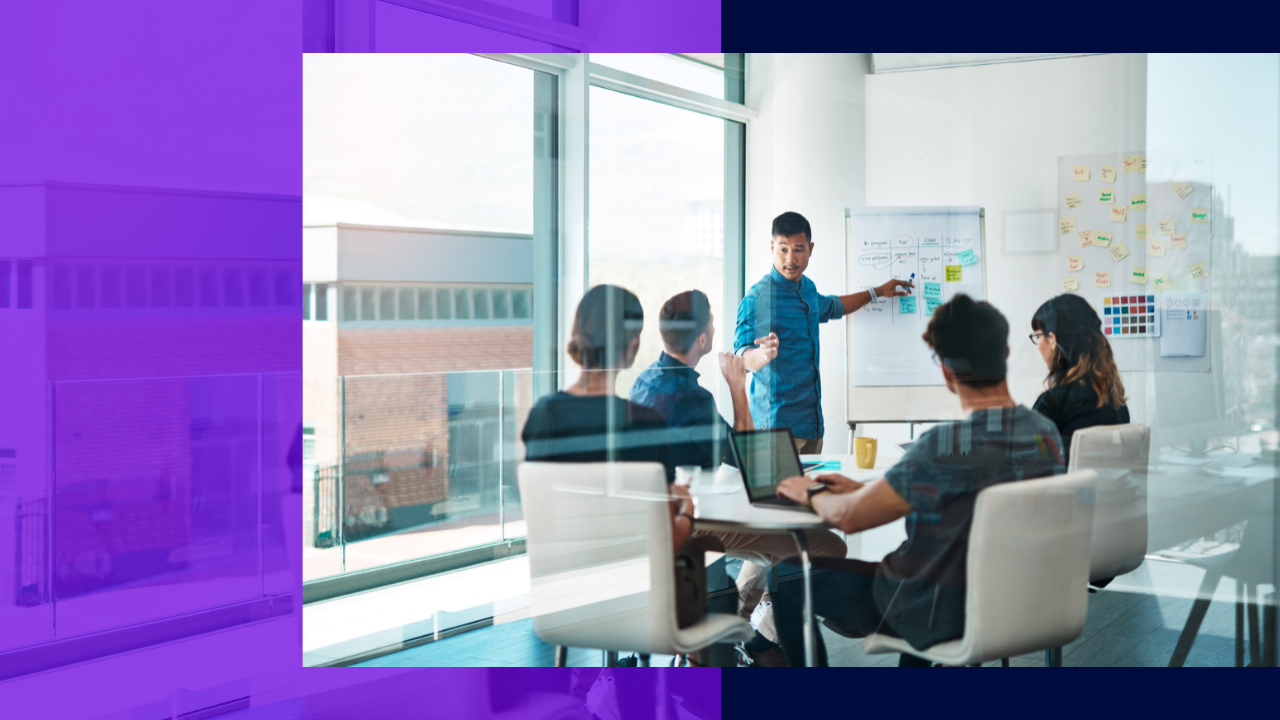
936, 361
1035, 337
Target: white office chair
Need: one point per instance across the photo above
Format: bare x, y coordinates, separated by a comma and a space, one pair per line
1027, 568
602, 562
1118, 454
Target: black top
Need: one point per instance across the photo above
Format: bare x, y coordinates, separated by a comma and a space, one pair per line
1074, 407
597, 428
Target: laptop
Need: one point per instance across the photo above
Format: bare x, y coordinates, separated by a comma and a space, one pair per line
767, 457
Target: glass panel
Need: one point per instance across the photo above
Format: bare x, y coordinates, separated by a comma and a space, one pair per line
520, 304
349, 303
426, 304
157, 496
184, 287
322, 301
160, 293
111, 289
136, 286
657, 208
208, 287
480, 298
62, 287
462, 303
259, 288
26, 285
444, 304
233, 280
704, 75
408, 303
368, 304
306, 301
401, 30
501, 305
422, 468
387, 303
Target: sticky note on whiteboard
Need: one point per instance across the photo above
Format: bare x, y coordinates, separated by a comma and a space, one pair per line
1137, 202
1119, 252
1144, 230
1163, 281
1075, 263
1166, 226
1119, 213
1070, 284
932, 291
1081, 173
1106, 196
907, 304
1139, 275
1131, 164
1182, 190
1067, 225
930, 305
1102, 238
954, 273
1199, 215
1102, 278
967, 257
1156, 248
1178, 241
1198, 270
1086, 238
1108, 174
1073, 201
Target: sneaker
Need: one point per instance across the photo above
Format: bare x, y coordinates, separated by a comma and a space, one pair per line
762, 621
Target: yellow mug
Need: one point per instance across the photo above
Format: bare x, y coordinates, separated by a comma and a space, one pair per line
864, 450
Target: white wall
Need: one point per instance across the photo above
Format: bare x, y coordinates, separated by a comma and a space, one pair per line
991, 136
805, 152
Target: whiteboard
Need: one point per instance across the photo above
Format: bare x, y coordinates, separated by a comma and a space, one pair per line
891, 373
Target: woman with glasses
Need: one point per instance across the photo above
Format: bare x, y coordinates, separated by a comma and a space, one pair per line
1083, 387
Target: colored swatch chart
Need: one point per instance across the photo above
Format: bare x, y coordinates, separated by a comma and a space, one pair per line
1130, 316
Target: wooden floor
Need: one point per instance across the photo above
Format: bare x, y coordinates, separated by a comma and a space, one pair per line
1122, 630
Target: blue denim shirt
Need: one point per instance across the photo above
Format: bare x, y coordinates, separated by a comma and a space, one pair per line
788, 391
671, 387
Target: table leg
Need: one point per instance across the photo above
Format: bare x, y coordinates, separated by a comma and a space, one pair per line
810, 650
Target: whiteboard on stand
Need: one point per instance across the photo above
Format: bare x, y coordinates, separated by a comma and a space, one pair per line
891, 373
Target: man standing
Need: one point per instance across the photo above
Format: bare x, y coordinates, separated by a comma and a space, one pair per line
785, 307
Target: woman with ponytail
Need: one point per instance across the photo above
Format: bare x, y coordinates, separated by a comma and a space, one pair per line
1083, 388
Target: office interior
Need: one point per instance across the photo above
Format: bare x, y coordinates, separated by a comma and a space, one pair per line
442, 269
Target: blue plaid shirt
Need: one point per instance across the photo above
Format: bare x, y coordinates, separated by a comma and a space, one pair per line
788, 391
671, 387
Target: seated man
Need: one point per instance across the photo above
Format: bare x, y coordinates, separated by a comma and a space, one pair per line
670, 386
917, 592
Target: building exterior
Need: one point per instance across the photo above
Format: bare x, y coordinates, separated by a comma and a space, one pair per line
403, 328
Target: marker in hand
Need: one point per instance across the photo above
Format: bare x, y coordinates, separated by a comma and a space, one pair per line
913, 282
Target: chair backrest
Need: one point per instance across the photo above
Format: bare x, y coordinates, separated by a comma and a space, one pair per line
1028, 564
599, 535
1119, 454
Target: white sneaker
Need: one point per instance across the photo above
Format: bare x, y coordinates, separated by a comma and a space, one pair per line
762, 621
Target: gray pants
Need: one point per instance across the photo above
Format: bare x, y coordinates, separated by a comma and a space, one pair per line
805, 446
762, 551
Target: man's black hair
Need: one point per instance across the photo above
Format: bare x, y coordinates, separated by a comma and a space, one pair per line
683, 318
971, 338
791, 223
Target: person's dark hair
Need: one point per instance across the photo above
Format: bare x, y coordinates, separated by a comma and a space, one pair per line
971, 338
1083, 352
791, 223
683, 318
607, 320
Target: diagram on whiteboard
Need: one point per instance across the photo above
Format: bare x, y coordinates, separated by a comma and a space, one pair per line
943, 251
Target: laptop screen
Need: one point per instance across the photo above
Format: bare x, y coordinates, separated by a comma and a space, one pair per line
767, 457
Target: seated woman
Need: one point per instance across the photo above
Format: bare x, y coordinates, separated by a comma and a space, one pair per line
588, 422
1084, 386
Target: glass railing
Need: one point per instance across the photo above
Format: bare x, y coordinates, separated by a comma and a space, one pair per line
165, 499
417, 466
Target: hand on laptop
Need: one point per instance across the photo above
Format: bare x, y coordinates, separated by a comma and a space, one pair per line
838, 484
796, 488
